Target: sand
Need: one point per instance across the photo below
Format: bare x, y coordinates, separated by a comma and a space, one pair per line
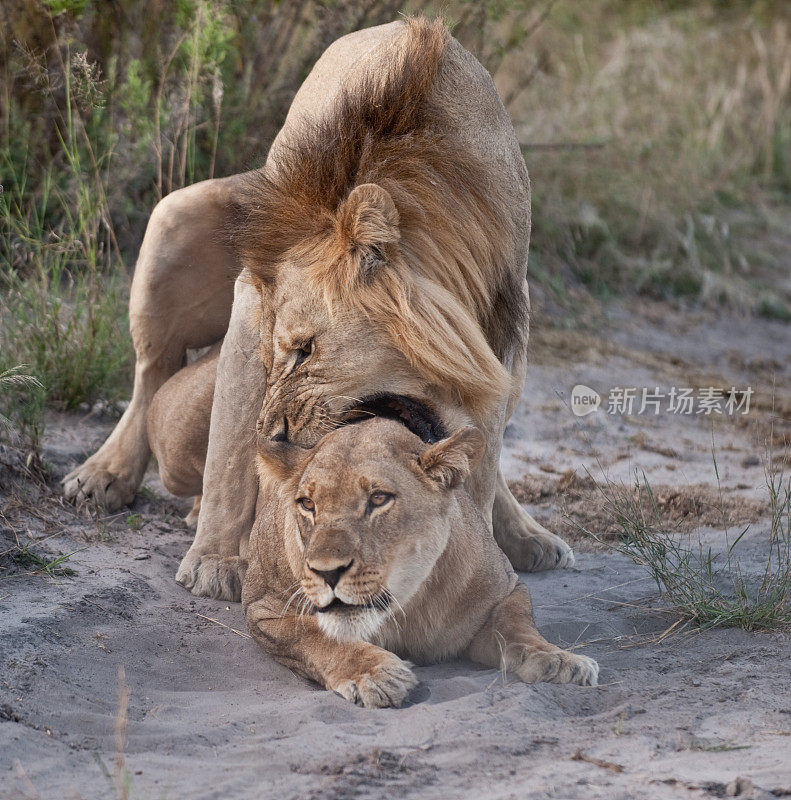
691, 714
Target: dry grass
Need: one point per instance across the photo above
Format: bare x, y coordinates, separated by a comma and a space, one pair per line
573, 503
705, 586
659, 146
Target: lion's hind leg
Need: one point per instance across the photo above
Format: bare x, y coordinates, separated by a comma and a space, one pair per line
181, 298
511, 640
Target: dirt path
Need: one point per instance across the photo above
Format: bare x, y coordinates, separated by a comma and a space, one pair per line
210, 716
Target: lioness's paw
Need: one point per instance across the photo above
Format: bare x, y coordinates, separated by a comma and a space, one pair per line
92, 484
212, 575
384, 686
558, 666
539, 551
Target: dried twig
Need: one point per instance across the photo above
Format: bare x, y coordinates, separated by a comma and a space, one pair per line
597, 762
222, 624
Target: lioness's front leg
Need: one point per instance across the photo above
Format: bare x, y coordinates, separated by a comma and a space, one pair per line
180, 298
510, 639
359, 671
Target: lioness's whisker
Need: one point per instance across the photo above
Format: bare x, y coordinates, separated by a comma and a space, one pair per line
385, 602
299, 590
304, 605
393, 600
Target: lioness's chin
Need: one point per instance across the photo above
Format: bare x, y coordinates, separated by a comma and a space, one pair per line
351, 625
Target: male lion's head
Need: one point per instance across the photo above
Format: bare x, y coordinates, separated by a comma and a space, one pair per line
329, 361
381, 248
369, 509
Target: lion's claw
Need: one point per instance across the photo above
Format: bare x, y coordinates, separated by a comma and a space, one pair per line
385, 686
212, 575
89, 484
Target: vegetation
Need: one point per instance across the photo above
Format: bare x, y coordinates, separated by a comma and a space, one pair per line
707, 587
658, 139
657, 135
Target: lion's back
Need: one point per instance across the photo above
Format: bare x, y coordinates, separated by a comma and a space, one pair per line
465, 99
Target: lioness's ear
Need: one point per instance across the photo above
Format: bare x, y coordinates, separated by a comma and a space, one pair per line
450, 461
366, 222
282, 460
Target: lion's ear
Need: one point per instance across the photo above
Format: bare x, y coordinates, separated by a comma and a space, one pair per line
366, 223
450, 461
282, 460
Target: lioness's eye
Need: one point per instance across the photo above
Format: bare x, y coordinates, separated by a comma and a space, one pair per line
306, 504
378, 499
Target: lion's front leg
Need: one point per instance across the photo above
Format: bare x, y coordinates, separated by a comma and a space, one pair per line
530, 547
214, 565
510, 639
359, 671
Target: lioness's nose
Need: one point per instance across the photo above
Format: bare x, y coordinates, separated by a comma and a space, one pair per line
330, 576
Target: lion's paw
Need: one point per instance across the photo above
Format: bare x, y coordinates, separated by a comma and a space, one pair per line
93, 484
212, 575
384, 686
558, 666
536, 552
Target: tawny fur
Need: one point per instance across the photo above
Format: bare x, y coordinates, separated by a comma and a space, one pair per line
177, 424
422, 575
423, 249
183, 288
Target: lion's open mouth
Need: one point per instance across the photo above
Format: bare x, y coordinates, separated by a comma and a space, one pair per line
417, 416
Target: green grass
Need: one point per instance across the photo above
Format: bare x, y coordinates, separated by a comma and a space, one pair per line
54, 567
134, 522
704, 587
15, 381
61, 275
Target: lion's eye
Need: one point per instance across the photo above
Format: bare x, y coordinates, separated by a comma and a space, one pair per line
306, 504
303, 353
379, 499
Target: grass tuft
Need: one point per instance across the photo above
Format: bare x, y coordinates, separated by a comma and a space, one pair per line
705, 587
54, 567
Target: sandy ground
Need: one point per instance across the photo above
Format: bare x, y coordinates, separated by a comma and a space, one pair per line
210, 716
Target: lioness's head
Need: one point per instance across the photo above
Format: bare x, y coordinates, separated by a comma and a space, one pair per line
368, 509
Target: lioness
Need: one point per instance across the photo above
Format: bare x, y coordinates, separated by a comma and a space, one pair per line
369, 550
382, 250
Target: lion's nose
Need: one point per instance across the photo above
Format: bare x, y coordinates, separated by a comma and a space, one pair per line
331, 576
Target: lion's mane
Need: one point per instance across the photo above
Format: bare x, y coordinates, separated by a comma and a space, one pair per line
438, 276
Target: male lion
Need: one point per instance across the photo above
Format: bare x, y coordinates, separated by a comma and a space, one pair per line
382, 250
368, 549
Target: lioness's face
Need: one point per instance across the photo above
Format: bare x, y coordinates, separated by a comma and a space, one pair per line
321, 366
370, 505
